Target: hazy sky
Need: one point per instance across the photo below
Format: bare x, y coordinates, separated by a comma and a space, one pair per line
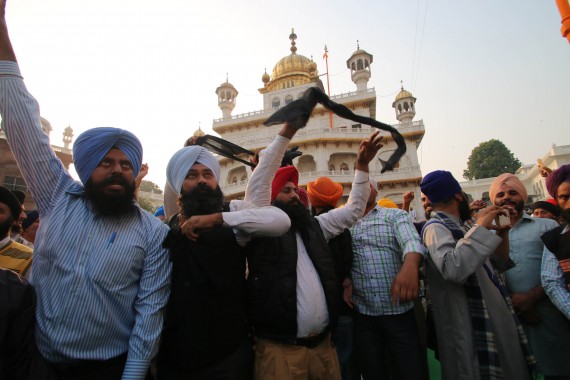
479, 69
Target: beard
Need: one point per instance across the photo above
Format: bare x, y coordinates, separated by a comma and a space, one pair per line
201, 200
5, 227
114, 205
518, 206
464, 210
565, 215
297, 212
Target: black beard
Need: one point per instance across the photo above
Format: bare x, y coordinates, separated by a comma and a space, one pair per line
111, 204
201, 200
297, 212
5, 227
427, 214
464, 210
565, 215
519, 206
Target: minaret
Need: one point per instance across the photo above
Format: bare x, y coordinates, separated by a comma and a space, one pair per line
405, 106
67, 137
227, 95
359, 65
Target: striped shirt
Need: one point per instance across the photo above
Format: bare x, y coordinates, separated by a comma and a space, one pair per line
101, 282
380, 240
553, 281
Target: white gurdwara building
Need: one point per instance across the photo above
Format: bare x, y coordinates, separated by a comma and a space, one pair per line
329, 148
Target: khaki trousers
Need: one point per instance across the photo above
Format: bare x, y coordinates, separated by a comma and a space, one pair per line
276, 361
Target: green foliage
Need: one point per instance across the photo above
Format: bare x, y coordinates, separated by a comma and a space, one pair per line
150, 187
146, 204
490, 159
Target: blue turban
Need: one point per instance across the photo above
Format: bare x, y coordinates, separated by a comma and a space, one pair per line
159, 211
182, 161
439, 186
92, 145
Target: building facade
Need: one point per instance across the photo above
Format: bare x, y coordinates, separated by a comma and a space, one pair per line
329, 143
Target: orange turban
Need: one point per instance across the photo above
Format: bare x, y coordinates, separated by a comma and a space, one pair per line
284, 174
387, 203
510, 180
324, 192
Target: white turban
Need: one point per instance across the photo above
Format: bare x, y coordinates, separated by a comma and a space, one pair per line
182, 161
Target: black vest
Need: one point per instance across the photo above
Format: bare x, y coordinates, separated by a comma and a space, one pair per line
272, 280
559, 244
205, 317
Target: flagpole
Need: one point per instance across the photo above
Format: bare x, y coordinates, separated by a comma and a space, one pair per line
326, 57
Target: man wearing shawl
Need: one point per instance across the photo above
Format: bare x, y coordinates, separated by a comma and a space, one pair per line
547, 330
555, 271
478, 334
292, 284
205, 334
100, 272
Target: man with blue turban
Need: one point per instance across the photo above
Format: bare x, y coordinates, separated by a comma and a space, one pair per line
100, 272
207, 243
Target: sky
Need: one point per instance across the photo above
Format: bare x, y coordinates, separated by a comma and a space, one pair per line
480, 70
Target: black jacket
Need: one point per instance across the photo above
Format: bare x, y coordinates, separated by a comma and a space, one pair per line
272, 280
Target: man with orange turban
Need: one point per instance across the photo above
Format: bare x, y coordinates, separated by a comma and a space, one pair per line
546, 328
292, 283
324, 195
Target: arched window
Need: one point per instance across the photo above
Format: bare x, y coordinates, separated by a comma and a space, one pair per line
244, 177
359, 64
276, 103
406, 107
353, 66
344, 166
234, 179
332, 168
288, 99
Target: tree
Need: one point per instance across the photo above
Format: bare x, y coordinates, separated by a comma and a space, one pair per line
490, 159
150, 187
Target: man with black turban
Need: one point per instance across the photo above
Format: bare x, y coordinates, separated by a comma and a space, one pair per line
100, 272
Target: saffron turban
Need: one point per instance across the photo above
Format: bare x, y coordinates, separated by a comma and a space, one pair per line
439, 186
509, 180
303, 196
387, 203
556, 178
184, 159
324, 192
284, 174
92, 145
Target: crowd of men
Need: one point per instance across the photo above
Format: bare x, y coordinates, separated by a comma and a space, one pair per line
280, 285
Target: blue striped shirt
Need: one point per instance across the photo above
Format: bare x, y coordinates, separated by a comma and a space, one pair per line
380, 240
101, 283
553, 282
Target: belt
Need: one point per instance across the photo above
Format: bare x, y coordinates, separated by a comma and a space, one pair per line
311, 341
81, 367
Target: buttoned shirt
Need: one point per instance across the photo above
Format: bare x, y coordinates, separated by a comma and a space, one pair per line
380, 241
101, 282
553, 280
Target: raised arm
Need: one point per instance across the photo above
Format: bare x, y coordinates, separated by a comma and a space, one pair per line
6, 50
335, 221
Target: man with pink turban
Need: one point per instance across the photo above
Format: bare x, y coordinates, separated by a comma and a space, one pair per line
556, 262
99, 270
546, 328
292, 283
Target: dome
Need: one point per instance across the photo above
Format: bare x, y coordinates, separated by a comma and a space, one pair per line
199, 132
293, 63
403, 94
265, 78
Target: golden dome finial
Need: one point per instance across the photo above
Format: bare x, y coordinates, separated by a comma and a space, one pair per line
199, 132
357, 45
293, 37
265, 78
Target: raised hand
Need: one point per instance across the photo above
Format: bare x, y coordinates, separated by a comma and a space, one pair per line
367, 151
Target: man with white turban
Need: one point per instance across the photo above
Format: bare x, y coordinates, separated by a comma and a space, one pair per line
546, 328
207, 243
99, 270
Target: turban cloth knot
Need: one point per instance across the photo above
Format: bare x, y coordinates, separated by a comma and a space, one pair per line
556, 178
183, 160
92, 145
509, 180
324, 192
284, 174
439, 186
